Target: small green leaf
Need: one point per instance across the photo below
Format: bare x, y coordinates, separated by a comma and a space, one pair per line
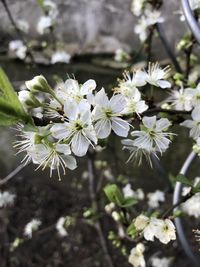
132, 231
11, 110
114, 194
40, 3
183, 179
128, 202
196, 188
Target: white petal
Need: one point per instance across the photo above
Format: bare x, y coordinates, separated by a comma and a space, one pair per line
101, 98
103, 128
196, 114
70, 162
71, 110
164, 84
88, 87
60, 130
79, 145
63, 148
120, 127
162, 124
149, 122
72, 86
117, 103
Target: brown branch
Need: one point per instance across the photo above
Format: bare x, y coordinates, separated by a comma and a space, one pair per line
92, 191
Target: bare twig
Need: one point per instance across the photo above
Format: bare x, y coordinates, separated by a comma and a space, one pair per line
92, 191
12, 174
18, 31
167, 47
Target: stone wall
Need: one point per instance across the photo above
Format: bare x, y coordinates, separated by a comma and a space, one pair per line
92, 25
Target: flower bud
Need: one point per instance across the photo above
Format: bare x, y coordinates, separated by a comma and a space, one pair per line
28, 99
39, 83
116, 216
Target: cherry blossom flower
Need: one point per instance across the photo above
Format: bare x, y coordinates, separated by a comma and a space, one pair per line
194, 124
181, 99
164, 230
156, 75
137, 7
129, 192
18, 47
78, 129
149, 18
106, 115
161, 262
153, 136
44, 24
6, 199
55, 156
192, 206
155, 198
194, 95
60, 56
60, 226
136, 257
31, 227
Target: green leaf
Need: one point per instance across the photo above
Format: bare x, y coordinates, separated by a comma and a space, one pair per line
183, 179
11, 110
40, 3
114, 194
132, 231
196, 188
128, 202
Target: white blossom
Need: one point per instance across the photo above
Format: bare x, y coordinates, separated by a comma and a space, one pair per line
181, 100
44, 24
155, 198
55, 156
192, 206
31, 227
194, 95
149, 18
23, 25
194, 124
136, 257
142, 28
51, 8
71, 90
78, 129
129, 192
60, 226
60, 56
156, 76
153, 136
121, 55
164, 230
141, 222
6, 199
18, 47
137, 7
161, 262
106, 115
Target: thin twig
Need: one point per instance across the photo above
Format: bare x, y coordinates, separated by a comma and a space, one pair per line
167, 47
92, 191
12, 174
18, 31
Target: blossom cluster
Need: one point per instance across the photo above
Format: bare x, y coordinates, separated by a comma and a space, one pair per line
79, 116
45, 25
162, 229
148, 17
